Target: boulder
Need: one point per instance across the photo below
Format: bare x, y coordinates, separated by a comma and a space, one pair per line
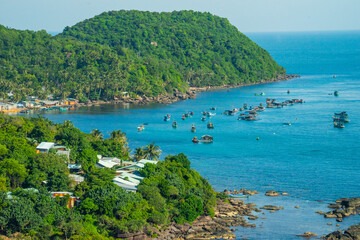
308, 235
271, 207
272, 193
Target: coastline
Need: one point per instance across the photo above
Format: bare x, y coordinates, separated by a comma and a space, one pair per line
177, 96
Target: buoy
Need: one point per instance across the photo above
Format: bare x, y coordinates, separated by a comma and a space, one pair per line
257, 138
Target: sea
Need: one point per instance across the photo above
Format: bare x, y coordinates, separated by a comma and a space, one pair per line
310, 159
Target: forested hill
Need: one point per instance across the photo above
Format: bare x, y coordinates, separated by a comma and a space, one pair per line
144, 53
206, 49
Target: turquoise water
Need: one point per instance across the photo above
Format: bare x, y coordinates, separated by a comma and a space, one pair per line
310, 159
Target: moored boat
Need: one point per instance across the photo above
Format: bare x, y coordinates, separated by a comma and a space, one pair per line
193, 129
209, 114
210, 125
140, 128
195, 140
213, 108
336, 93
167, 117
206, 139
203, 118
174, 124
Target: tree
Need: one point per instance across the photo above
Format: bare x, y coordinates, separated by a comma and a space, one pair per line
139, 153
97, 134
14, 171
152, 151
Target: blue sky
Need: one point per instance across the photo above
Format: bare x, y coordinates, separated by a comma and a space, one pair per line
246, 15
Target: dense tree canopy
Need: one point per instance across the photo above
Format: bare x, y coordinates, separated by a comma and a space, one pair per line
143, 53
170, 192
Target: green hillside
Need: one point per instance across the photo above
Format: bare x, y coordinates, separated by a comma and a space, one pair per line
144, 53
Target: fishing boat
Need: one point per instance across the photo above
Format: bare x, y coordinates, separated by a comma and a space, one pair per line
167, 117
245, 106
174, 124
260, 94
140, 128
288, 91
209, 114
203, 118
213, 108
241, 109
204, 113
187, 115
336, 93
249, 117
191, 113
287, 123
195, 140
193, 129
210, 125
206, 139
260, 108
229, 112
183, 117
339, 125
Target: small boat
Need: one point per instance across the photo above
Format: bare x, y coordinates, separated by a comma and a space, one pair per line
241, 109
210, 125
25, 111
183, 117
334, 76
167, 117
204, 113
336, 93
287, 123
213, 108
195, 140
140, 128
191, 113
339, 125
260, 94
63, 109
206, 139
193, 129
187, 115
245, 106
229, 112
174, 124
203, 118
288, 91
209, 114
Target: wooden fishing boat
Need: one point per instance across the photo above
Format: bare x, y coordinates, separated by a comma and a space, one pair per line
206, 139
140, 128
174, 124
195, 140
203, 118
193, 129
210, 125
213, 108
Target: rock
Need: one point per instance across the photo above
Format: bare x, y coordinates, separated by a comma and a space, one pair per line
320, 212
352, 233
339, 219
334, 206
329, 224
271, 207
253, 217
308, 235
296, 207
337, 225
285, 194
272, 211
233, 229
272, 193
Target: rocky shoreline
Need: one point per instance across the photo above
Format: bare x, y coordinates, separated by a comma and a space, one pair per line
177, 96
228, 213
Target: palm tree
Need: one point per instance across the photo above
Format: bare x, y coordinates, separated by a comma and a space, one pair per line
97, 134
118, 136
152, 151
139, 153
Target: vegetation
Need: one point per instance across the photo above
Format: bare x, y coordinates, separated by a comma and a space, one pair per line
170, 192
143, 53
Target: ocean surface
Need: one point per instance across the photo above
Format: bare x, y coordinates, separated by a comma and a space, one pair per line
311, 160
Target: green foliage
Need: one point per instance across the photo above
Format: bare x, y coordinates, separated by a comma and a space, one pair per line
170, 191
143, 53
180, 191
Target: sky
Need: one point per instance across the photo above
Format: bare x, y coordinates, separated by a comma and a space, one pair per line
246, 15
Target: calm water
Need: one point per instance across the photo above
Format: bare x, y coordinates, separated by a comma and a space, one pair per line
310, 159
